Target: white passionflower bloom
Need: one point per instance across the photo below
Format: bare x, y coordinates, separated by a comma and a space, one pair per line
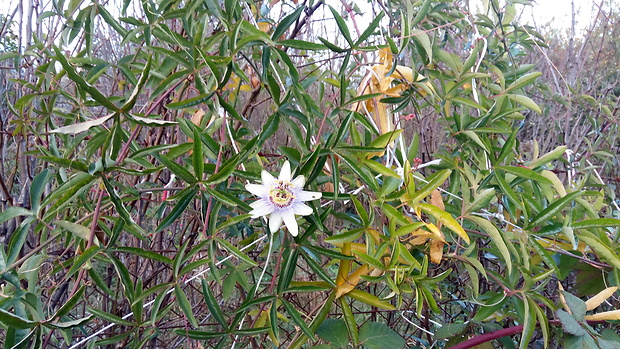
281, 198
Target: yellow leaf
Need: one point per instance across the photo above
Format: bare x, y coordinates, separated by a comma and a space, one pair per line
436, 251
600, 297
606, 315
446, 219
562, 299
371, 299
345, 265
197, 117
437, 234
264, 26
262, 319
352, 280
437, 200
421, 239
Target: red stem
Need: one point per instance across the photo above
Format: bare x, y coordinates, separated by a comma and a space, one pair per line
487, 337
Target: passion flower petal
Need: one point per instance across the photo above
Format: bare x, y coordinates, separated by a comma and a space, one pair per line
275, 221
308, 195
257, 189
285, 172
290, 222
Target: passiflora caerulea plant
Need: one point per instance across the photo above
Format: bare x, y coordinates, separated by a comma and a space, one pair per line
150, 152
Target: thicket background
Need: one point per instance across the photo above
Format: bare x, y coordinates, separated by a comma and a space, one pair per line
468, 166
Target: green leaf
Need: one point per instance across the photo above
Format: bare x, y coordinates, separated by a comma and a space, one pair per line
474, 136
380, 168
250, 303
212, 304
16, 322
290, 309
553, 209
228, 199
526, 173
17, 241
124, 276
421, 13
468, 102
385, 139
331, 46
481, 200
131, 101
601, 249
318, 269
67, 163
12, 212
37, 188
224, 172
342, 25
361, 99
375, 335
144, 253
175, 168
365, 177
289, 265
577, 306
302, 45
550, 156
596, 223
190, 102
433, 182
335, 332
100, 314
526, 102
370, 260
197, 155
178, 209
71, 303
328, 252
185, 305
529, 324
523, 81
82, 259
120, 208
200, 335
371, 28
251, 331
347, 236
286, 22
68, 324
449, 330
569, 324
507, 190
77, 230
237, 252
349, 320
497, 238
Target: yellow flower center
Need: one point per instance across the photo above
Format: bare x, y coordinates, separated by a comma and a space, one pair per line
281, 194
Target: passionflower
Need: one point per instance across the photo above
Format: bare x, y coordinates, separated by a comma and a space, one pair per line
281, 198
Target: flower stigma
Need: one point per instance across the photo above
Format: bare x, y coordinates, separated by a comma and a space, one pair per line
281, 194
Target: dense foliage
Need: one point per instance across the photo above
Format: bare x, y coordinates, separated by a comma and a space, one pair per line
136, 136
